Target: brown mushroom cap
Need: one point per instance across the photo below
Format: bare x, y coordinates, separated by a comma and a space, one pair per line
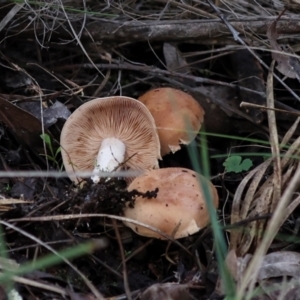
120, 117
178, 117
179, 200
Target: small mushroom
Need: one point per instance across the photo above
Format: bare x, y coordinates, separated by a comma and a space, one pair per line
178, 117
179, 206
108, 134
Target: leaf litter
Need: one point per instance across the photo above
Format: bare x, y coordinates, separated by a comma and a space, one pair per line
288, 64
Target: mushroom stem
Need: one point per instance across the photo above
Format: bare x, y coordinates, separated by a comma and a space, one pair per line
109, 158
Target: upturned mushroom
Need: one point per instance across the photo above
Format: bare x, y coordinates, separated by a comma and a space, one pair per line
178, 117
179, 206
109, 134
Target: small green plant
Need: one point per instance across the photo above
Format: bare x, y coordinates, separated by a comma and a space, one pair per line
235, 164
5, 188
127, 252
53, 155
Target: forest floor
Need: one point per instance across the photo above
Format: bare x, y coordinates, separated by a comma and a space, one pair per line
238, 59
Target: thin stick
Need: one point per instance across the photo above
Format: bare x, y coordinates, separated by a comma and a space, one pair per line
57, 174
80, 216
125, 277
154, 71
34, 283
30, 236
247, 104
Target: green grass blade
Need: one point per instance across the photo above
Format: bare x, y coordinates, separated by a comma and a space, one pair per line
48, 260
220, 244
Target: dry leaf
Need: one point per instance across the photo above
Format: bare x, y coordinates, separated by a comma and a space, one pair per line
236, 266
24, 126
232, 264
275, 289
287, 65
24, 189
50, 114
174, 59
277, 264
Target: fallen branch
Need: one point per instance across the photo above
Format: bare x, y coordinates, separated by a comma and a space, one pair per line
200, 31
184, 30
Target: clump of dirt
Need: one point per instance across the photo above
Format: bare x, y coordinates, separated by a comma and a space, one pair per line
107, 196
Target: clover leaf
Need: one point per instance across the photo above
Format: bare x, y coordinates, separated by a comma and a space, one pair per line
235, 164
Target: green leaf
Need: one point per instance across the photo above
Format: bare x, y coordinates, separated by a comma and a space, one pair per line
46, 138
235, 164
57, 151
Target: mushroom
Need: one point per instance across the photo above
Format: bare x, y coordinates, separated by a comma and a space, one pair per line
178, 117
179, 206
108, 134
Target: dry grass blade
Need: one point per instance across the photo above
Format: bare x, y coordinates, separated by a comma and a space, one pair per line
14, 201
274, 224
6, 204
262, 201
10, 15
290, 133
290, 209
274, 139
268, 198
240, 206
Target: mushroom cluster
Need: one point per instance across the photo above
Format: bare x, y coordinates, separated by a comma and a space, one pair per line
113, 133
